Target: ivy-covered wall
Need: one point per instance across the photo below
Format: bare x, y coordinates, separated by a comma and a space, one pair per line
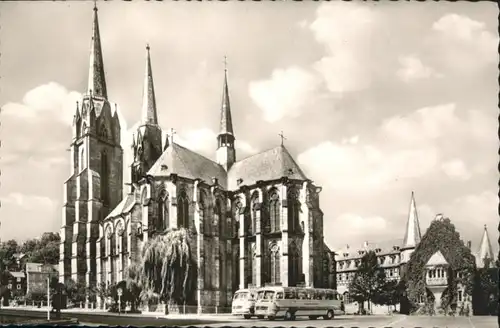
440, 236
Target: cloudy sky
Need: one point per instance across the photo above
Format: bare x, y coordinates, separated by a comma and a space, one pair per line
376, 100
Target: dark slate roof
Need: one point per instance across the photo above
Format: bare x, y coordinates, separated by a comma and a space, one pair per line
188, 164
272, 164
123, 207
387, 248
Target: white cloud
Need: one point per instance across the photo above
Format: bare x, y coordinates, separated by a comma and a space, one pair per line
352, 140
356, 228
402, 148
346, 31
31, 202
456, 169
464, 43
285, 94
48, 99
412, 68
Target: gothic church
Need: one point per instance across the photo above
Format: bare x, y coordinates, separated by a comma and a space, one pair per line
255, 220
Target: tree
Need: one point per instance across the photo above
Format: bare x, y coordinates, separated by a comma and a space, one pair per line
168, 268
7, 251
369, 280
44, 250
390, 293
75, 291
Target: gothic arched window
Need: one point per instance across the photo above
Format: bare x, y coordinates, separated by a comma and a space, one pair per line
81, 161
208, 265
274, 259
203, 213
250, 265
220, 218
162, 223
293, 265
125, 240
253, 214
274, 211
222, 270
293, 207
183, 210
236, 218
104, 178
103, 131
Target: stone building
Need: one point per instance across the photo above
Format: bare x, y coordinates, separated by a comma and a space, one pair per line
255, 220
394, 255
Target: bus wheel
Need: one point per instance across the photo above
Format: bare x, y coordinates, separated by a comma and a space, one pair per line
329, 315
313, 317
247, 316
270, 318
288, 315
260, 317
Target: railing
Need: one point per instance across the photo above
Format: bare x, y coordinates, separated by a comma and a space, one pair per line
441, 281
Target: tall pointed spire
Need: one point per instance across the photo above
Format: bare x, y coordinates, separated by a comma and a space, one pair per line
97, 80
226, 122
412, 233
149, 114
485, 250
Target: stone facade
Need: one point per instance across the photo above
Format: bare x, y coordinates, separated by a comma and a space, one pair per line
255, 221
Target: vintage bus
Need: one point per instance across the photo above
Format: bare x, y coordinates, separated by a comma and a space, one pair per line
291, 302
244, 303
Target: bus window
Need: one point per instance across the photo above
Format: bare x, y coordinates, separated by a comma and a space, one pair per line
290, 295
310, 294
268, 294
279, 296
319, 294
260, 295
330, 295
301, 295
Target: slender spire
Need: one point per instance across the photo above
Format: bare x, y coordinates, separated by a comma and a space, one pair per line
149, 114
485, 250
412, 233
226, 122
97, 80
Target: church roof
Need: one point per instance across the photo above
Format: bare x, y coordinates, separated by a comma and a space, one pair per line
437, 259
97, 80
412, 233
272, 164
386, 247
123, 207
188, 164
485, 250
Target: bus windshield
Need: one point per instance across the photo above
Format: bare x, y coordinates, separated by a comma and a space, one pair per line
265, 295
242, 296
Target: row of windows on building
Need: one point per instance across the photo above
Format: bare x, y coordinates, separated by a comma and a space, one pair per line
347, 264
269, 223
343, 277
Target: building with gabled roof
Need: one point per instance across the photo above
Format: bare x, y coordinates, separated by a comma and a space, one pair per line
255, 220
394, 255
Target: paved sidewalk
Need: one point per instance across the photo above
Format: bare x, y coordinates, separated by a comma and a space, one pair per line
203, 316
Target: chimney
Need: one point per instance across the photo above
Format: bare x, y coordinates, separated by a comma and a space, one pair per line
469, 244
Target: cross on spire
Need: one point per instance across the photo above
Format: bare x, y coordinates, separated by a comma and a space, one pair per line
225, 63
282, 136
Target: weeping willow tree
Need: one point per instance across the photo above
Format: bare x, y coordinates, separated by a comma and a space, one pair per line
168, 269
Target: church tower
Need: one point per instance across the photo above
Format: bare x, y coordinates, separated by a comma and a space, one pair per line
147, 139
484, 255
412, 233
226, 153
95, 184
